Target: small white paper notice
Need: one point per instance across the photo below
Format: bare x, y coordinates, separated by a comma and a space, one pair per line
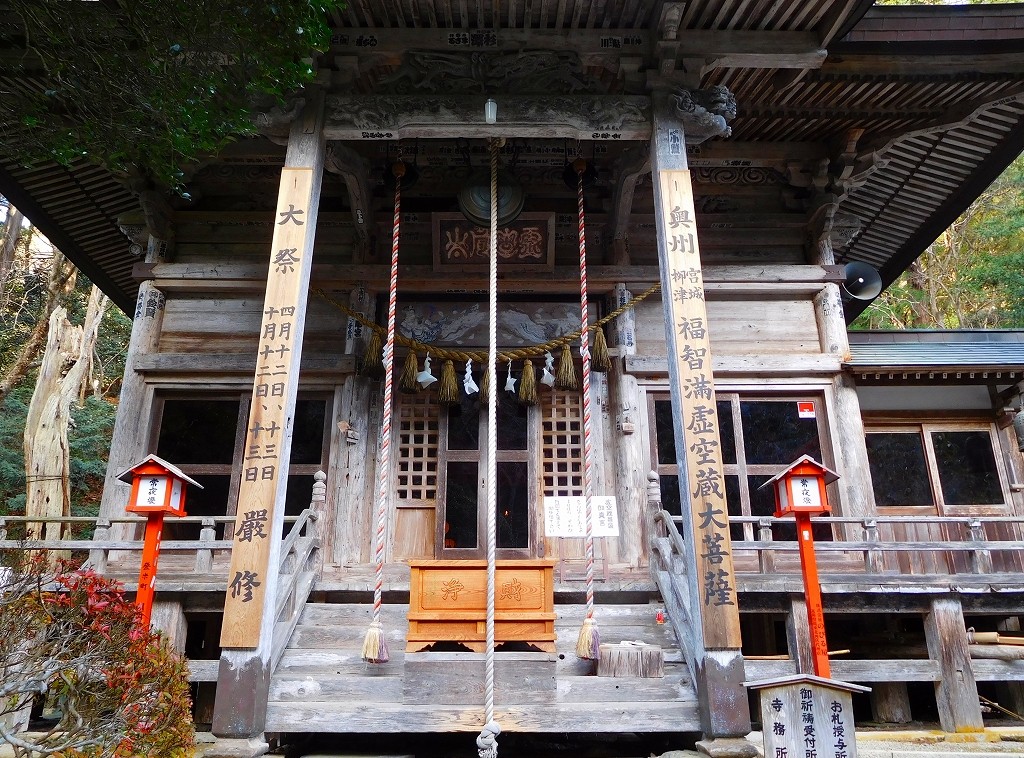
567, 516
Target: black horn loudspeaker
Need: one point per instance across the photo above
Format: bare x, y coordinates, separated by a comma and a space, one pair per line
862, 282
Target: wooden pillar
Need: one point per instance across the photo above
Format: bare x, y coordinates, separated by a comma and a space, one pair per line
846, 426
628, 443
169, 618
354, 462
798, 635
249, 604
130, 438
711, 581
890, 703
956, 693
1010, 695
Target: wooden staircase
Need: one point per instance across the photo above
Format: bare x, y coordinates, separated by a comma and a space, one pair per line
322, 685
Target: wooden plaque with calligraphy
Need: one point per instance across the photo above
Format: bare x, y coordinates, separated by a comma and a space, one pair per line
264, 466
526, 244
690, 349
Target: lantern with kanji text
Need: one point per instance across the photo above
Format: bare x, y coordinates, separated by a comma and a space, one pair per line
158, 489
800, 488
800, 493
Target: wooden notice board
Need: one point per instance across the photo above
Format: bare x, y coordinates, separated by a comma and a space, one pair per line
687, 313
268, 434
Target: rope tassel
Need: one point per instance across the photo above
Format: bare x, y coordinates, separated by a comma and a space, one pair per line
565, 377
485, 387
588, 644
410, 370
375, 647
449, 392
600, 359
373, 359
528, 384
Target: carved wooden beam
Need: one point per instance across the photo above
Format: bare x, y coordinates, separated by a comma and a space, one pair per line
355, 171
721, 48
589, 117
631, 167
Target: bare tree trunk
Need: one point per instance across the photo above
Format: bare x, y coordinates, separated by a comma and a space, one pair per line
59, 276
9, 244
47, 456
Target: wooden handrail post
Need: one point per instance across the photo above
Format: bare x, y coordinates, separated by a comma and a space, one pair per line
3, 528
980, 559
874, 563
204, 557
98, 555
765, 556
318, 516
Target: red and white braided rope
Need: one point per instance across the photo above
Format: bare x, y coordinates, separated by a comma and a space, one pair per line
588, 440
385, 432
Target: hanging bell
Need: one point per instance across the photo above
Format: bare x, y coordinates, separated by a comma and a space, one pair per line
425, 378
475, 198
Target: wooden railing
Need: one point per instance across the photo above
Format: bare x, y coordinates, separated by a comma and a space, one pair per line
669, 571
301, 566
301, 558
102, 544
971, 545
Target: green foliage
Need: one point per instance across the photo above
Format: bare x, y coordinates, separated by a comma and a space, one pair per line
89, 441
152, 85
972, 276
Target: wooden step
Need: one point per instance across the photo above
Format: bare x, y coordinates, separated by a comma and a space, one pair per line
365, 716
322, 683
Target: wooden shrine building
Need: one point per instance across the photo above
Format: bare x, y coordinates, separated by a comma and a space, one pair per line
736, 155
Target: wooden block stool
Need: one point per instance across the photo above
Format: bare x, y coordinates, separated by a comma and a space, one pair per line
632, 659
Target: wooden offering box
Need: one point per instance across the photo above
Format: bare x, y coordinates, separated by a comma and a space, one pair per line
448, 603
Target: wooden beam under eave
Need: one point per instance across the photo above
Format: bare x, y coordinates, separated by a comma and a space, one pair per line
245, 277
926, 65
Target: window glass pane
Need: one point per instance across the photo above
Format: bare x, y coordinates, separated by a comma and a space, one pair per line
899, 473
511, 422
308, 431
464, 422
663, 432
726, 431
198, 431
967, 468
513, 518
774, 433
460, 505
670, 494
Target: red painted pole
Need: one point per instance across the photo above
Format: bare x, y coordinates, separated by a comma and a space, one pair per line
812, 595
147, 571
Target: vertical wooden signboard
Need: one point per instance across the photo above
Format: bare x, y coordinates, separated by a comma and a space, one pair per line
808, 717
694, 393
268, 434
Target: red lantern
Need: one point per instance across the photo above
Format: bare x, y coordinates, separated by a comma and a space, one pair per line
800, 487
158, 489
800, 492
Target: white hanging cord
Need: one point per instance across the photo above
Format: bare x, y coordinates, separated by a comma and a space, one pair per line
486, 743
